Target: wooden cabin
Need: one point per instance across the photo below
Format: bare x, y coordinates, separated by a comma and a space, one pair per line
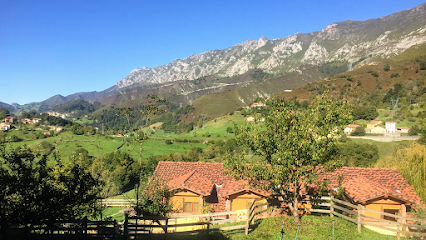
380, 189
199, 186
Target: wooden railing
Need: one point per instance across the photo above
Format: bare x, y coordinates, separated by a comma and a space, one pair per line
140, 225
362, 216
109, 202
82, 228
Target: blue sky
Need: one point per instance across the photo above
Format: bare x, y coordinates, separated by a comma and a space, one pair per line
64, 47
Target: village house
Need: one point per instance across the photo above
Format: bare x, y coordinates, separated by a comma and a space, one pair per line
403, 129
36, 120
373, 124
8, 119
5, 126
258, 104
378, 130
250, 119
198, 185
26, 121
390, 127
350, 128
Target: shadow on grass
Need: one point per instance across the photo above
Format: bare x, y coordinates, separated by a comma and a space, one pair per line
187, 235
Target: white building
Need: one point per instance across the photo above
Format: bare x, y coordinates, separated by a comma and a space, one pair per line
350, 128
390, 127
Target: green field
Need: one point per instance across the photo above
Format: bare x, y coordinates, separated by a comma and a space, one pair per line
385, 148
311, 228
216, 128
66, 143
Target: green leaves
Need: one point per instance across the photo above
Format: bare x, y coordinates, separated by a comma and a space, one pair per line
32, 191
283, 154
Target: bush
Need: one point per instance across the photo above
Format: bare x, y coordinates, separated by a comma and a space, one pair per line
386, 67
230, 130
168, 141
374, 73
359, 131
15, 138
414, 131
155, 199
394, 75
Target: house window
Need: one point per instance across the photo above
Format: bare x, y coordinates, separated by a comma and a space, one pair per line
190, 207
391, 211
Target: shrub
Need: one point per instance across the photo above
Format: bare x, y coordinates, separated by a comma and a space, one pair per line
374, 73
386, 67
230, 130
359, 131
414, 131
168, 141
394, 75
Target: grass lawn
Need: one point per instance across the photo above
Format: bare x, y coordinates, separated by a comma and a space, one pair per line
96, 145
113, 213
385, 148
216, 129
127, 195
311, 228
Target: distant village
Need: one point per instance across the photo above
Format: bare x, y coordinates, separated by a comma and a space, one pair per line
376, 127
8, 121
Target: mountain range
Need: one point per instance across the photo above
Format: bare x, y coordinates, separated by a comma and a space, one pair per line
280, 64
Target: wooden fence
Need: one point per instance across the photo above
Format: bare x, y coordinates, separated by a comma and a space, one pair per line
139, 225
66, 229
109, 202
398, 225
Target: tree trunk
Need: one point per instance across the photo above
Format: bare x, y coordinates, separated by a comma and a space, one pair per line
295, 211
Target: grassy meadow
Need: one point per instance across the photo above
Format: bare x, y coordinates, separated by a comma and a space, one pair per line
311, 228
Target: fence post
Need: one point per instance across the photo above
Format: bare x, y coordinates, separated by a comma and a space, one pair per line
248, 216
126, 226
115, 229
85, 227
208, 224
331, 206
359, 208
398, 228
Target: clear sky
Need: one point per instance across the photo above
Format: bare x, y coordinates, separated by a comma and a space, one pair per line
63, 47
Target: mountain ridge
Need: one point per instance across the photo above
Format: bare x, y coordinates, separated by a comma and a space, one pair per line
348, 42
385, 36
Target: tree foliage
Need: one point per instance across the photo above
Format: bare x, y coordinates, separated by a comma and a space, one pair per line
364, 112
31, 191
411, 163
282, 155
117, 171
354, 154
359, 131
154, 199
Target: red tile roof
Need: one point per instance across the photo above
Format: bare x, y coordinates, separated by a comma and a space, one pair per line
364, 184
352, 126
361, 184
201, 178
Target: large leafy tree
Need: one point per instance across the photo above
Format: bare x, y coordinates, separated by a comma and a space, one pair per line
31, 190
282, 156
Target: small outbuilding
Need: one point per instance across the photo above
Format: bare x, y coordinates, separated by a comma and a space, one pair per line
205, 185
378, 130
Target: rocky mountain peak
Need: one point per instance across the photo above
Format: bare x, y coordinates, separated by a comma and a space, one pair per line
343, 41
262, 42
